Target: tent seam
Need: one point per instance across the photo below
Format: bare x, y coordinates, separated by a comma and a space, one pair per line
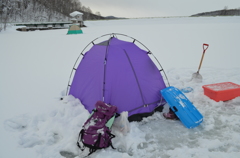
135, 76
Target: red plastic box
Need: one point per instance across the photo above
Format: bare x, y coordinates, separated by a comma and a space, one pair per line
222, 91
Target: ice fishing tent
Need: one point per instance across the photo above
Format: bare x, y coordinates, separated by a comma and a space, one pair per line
119, 73
74, 29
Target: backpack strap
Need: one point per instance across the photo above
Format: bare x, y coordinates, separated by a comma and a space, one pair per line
82, 131
79, 139
95, 146
110, 121
111, 137
94, 110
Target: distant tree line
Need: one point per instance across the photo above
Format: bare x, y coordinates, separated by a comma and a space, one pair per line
67, 6
223, 12
41, 10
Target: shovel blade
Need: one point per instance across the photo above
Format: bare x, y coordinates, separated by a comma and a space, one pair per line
196, 77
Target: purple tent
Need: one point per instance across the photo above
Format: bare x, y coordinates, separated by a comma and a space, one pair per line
121, 74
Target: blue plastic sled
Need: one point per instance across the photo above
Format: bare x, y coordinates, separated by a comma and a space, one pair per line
182, 107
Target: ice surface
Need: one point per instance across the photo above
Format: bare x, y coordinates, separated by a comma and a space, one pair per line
35, 67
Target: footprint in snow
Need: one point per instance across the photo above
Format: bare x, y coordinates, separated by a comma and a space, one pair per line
29, 140
68, 154
16, 124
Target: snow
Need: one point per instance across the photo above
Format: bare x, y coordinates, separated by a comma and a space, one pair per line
75, 13
222, 86
35, 68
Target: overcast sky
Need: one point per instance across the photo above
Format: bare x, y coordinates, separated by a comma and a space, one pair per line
157, 8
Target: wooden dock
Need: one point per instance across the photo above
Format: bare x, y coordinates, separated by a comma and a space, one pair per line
32, 26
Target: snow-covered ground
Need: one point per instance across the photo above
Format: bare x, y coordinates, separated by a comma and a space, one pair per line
35, 68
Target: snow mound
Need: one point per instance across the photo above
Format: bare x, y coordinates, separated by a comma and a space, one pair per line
55, 134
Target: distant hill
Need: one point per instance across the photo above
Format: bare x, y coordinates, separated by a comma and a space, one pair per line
113, 17
91, 16
224, 12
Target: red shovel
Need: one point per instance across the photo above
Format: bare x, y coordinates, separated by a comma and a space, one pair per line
196, 76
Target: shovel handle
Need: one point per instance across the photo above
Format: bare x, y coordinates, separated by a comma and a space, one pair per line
205, 47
